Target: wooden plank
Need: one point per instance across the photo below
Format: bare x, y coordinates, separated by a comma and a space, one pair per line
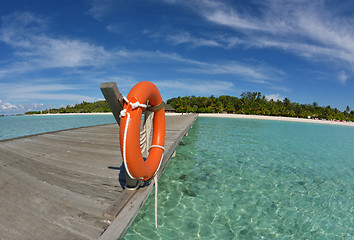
41, 147
38, 229
54, 193
90, 163
97, 145
7, 232
52, 132
72, 161
68, 183
41, 210
87, 137
113, 210
81, 155
127, 215
60, 178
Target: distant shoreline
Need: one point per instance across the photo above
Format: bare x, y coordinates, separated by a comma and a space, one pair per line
274, 118
69, 114
73, 114
224, 115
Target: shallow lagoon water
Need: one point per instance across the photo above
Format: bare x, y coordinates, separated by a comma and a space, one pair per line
17, 126
255, 179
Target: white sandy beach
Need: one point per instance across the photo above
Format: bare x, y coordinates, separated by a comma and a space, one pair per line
289, 119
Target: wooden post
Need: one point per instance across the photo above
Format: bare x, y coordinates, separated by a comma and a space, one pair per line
115, 102
130, 183
113, 97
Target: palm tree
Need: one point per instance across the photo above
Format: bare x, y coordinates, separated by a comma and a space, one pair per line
347, 109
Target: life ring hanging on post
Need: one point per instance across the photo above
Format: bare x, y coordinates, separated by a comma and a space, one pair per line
131, 114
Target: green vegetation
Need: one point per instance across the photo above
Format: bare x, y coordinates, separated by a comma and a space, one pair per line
249, 103
84, 107
256, 104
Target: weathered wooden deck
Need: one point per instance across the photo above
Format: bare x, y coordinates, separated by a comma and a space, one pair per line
69, 184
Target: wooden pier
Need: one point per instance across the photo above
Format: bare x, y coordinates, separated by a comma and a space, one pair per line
70, 184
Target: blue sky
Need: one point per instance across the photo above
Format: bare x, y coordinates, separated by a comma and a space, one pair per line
56, 53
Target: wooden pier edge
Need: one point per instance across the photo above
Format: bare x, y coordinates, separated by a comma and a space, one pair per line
135, 200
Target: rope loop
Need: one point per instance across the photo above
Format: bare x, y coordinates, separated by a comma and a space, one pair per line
137, 104
133, 105
158, 146
123, 113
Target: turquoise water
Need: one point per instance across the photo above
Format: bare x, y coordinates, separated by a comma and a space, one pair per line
241, 179
255, 179
17, 126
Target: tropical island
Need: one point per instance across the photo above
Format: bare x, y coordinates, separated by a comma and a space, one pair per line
249, 103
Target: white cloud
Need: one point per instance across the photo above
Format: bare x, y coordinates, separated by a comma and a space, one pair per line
192, 86
114, 28
63, 97
43, 91
231, 41
185, 37
251, 73
100, 8
254, 72
343, 77
7, 108
316, 30
275, 97
224, 15
35, 49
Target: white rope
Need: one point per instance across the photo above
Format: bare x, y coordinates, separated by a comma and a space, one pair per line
124, 113
155, 180
125, 145
146, 133
157, 146
137, 104
133, 105
144, 140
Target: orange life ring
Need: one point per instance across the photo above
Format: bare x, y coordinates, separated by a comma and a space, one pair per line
134, 105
